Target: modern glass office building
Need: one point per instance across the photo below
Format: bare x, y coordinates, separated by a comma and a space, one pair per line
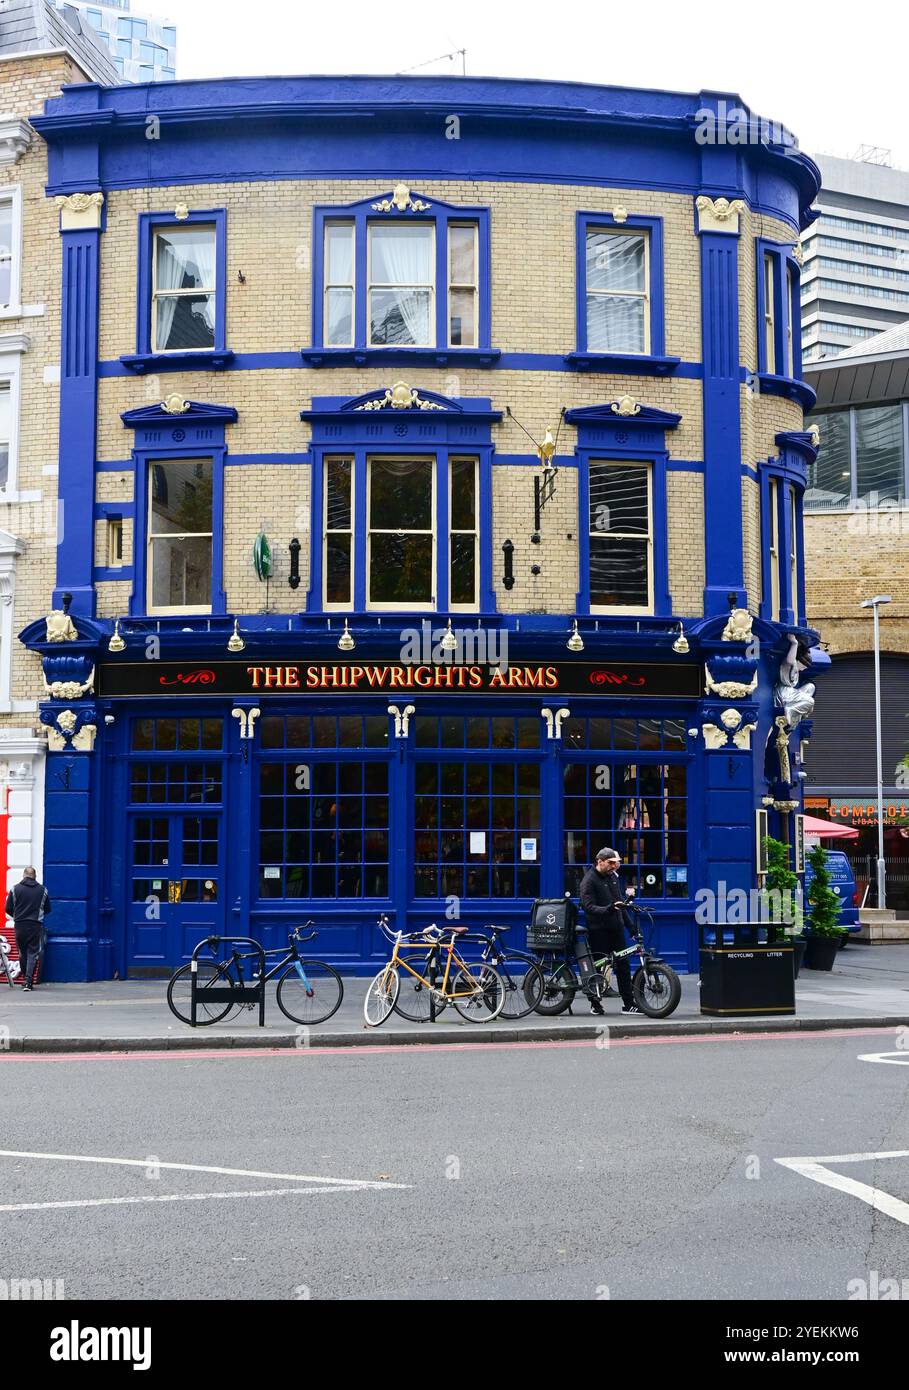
143, 46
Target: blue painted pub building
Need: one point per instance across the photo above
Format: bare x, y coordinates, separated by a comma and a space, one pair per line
431, 465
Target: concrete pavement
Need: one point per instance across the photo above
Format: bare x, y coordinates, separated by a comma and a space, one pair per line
868, 985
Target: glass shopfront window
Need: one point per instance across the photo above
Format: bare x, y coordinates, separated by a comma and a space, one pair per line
637, 807
477, 824
323, 822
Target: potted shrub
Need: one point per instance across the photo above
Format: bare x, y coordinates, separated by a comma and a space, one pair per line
824, 930
779, 897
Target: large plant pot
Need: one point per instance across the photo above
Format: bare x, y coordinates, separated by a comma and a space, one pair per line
799, 945
820, 952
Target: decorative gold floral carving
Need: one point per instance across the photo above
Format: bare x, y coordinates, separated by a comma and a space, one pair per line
174, 404
730, 690
619, 214
400, 201
625, 405
79, 210
400, 396
70, 690
720, 208
719, 214
738, 626
798, 254
181, 212
60, 627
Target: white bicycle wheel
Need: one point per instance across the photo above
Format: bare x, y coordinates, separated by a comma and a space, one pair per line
478, 994
381, 996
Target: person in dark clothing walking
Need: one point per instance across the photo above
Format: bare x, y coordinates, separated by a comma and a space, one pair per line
28, 903
604, 908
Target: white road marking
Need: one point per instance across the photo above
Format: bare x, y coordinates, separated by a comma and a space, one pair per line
187, 1197
893, 1059
204, 1168
816, 1169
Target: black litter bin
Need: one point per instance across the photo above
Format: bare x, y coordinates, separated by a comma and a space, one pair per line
746, 969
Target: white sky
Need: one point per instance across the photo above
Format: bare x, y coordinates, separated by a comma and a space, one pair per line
834, 74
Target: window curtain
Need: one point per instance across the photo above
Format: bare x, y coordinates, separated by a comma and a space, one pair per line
169, 272
402, 256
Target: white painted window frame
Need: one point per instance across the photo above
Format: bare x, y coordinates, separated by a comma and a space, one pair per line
10, 550
12, 348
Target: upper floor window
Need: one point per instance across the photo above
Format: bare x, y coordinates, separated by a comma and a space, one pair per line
621, 536
10, 237
179, 566
183, 288
774, 549
769, 315
779, 291
401, 551
401, 279
132, 28
6, 426
182, 274
617, 288
401, 284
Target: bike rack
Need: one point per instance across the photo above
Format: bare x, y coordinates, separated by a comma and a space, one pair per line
223, 994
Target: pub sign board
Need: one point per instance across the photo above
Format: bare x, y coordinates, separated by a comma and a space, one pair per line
261, 679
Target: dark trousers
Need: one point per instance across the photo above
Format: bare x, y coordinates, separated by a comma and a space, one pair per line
604, 939
28, 940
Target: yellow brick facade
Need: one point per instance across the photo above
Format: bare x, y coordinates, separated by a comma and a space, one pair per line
850, 557
533, 296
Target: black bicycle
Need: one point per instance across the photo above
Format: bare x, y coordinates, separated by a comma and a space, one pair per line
655, 986
309, 991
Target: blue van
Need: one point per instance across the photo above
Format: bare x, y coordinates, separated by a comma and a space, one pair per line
842, 881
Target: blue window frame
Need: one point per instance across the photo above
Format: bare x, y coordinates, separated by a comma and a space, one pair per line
782, 557
368, 460
622, 465
778, 310
620, 293
202, 312
399, 285
195, 439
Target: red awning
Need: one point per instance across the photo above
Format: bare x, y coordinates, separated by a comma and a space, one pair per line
829, 830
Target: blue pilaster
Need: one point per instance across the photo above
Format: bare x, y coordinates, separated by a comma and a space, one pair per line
722, 417
78, 403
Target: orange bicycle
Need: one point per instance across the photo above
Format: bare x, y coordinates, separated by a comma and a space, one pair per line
474, 988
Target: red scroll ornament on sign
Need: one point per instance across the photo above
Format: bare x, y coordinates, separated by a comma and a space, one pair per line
615, 678
190, 678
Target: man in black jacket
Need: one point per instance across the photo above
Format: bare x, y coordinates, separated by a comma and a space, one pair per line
604, 908
28, 903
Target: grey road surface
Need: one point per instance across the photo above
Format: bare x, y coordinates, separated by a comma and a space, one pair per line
559, 1171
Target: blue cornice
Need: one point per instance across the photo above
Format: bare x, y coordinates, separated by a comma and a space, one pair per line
622, 363
800, 441
399, 357
196, 411
205, 360
788, 388
240, 128
646, 417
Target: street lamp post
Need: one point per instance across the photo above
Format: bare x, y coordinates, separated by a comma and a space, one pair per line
874, 604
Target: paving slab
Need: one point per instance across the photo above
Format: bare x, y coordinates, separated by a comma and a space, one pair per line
868, 986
